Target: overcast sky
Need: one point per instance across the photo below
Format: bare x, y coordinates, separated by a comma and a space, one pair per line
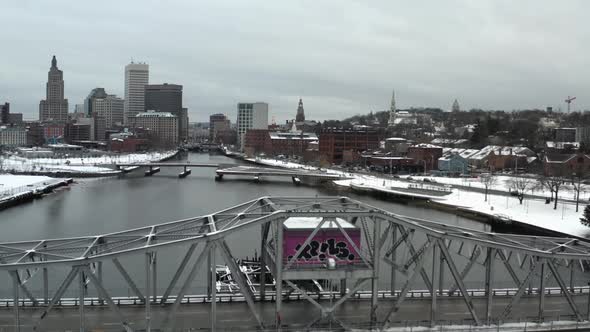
341, 57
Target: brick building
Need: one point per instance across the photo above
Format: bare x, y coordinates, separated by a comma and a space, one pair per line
501, 161
77, 132
163, 126
256, 141
53, 132
128, 144
566, 165
425, 155
391, 164
334, 143
292, 143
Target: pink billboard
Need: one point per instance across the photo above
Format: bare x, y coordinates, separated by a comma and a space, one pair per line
329, 242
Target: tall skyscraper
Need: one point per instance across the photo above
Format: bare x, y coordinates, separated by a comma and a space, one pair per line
54, 107
136, 78
300, 117
392, 110
4, 113
95, 93
251, 116
168, 98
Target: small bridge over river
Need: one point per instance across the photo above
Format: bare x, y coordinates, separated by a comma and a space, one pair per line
222, 170
383, 269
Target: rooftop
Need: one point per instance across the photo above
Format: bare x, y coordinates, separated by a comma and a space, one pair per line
154, 114
293, 136
64, 146
502, 150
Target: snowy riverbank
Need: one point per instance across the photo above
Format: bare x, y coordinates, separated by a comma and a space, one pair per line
16, 189
533, 211
77, 166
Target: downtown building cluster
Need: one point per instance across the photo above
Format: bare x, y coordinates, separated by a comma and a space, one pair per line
148, 117
447, 143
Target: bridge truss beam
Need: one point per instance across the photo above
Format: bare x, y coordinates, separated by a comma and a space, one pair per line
415, 249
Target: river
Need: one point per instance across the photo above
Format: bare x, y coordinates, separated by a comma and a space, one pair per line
95, 206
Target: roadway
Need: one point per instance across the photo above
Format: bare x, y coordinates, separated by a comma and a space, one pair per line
168, 164
267, 171
236, 315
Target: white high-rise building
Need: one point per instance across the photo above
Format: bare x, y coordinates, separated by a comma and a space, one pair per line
110, 108
136, 78
251, 116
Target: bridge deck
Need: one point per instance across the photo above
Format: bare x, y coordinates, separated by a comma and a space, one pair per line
167, 165
266, 171
237, 316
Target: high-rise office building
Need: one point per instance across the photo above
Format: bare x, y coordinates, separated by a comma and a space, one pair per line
4, 113
95, 93
136, 78
111, 108
168, 98
55, 106
251, 116
162, 125
217, 123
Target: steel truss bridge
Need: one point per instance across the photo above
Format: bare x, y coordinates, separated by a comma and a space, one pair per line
418, 256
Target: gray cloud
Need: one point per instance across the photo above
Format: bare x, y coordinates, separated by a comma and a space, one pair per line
342, 57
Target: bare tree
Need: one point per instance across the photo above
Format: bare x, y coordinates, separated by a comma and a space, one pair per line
521, 185
576, 181
553, 183
488, 180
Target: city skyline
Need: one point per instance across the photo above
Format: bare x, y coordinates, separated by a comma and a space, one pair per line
495, 55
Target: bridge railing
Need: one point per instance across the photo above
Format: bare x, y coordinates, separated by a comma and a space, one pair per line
295, 296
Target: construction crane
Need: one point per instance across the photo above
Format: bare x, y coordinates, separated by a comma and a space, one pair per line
569, 101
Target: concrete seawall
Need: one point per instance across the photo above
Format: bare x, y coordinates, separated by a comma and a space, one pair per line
34, 193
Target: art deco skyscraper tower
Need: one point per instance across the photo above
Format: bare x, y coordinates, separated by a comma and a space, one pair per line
55, 106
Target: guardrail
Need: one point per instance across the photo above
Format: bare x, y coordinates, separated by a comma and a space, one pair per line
325, 295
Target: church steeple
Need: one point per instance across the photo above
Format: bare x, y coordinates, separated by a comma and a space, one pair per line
392, 110
300, 117
455, 107
54, 62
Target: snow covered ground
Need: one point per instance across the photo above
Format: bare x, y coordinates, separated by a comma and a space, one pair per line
503, 184
564, 219
15, 184
533, 211
101, 165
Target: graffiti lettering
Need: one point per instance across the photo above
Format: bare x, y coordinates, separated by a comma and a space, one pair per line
328, 248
